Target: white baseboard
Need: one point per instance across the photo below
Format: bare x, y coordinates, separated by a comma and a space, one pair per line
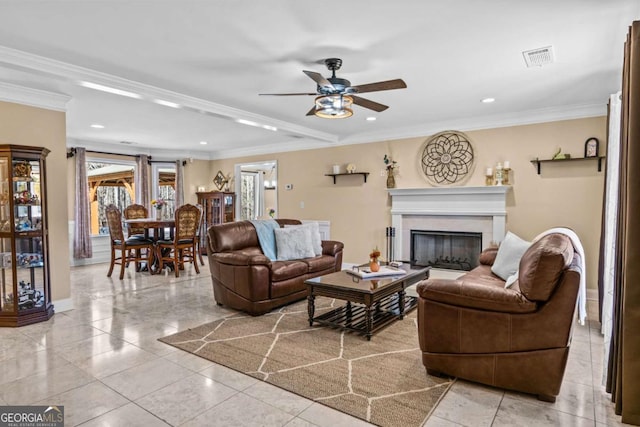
63, 305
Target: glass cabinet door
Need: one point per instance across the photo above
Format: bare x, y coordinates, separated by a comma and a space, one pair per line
24, 274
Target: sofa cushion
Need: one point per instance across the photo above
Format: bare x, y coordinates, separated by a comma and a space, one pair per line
320, 263
316, 239
542, 265
509, 254
293, 243
283, 270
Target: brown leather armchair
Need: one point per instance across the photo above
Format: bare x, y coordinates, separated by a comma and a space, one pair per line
245, 279
516, 338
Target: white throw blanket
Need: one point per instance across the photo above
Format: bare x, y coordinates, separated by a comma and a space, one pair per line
577, 246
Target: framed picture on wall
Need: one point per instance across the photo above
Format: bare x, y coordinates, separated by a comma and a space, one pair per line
591, 146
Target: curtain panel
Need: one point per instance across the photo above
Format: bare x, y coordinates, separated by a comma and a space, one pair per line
179, 183
142, 181
624, 362
82, 227
607, 273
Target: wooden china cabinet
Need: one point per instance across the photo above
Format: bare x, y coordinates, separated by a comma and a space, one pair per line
25, 290
218, 207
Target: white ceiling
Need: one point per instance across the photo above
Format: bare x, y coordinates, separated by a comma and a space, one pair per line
215, 57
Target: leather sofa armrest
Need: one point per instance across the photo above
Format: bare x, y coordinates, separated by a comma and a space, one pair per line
475, 295
238, 258
488, 256
331, 247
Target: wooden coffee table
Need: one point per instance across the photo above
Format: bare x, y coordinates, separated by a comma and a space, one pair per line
371, 303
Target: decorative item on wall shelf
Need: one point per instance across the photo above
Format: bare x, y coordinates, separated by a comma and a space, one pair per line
336, 169
591, 147
220, 180
391, 166
447, 158
559, 155
351, 168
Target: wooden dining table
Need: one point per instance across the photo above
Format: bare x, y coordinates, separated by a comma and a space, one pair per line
159, 228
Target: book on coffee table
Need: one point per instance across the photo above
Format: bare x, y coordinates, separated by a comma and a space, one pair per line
366, 273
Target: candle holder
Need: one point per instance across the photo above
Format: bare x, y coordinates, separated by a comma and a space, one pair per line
488, 180
499, 174
505, 176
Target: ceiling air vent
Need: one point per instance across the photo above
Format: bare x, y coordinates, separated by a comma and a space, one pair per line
538, 57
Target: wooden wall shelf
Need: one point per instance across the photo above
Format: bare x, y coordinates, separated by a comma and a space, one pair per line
334, 175
538, 162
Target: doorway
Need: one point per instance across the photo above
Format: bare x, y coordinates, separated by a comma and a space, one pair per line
256, 186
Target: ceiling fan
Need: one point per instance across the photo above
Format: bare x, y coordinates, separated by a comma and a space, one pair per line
335, 96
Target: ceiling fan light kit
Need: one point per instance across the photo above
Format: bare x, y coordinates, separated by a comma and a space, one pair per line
334, 106
335, 96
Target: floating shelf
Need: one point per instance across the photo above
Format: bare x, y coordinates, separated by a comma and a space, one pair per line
538, 162
334, 175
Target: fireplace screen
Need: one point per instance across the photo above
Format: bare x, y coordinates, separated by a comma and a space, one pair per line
445, 249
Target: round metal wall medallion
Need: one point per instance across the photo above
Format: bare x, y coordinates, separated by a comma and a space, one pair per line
447, 158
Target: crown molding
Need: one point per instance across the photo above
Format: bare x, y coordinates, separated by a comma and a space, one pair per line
494, 121
33, 97
76, 74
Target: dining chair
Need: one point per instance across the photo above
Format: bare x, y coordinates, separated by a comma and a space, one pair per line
183, 246
135, 211
130, 248
200, 234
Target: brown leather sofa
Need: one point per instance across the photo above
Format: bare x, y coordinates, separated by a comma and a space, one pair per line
516, 338
245, 279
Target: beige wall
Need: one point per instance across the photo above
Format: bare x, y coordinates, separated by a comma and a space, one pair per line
565, 194
24, 125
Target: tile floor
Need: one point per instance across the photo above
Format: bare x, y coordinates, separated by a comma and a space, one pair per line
103, 362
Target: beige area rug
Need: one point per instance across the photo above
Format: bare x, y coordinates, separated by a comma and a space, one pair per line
381, 381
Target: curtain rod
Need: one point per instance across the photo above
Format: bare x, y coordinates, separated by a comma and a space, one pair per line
72, 152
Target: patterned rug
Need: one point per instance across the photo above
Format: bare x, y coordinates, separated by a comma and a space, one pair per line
381, 381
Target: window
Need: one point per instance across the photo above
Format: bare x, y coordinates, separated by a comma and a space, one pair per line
164, 186
249, 194
110, 182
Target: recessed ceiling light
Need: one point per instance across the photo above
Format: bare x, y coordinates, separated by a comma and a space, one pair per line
371, 119
247, 122
167, 103
203, 142
267, 127
488, 100
97, 126
110, 90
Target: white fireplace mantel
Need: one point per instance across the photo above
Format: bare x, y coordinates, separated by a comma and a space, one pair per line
448, 202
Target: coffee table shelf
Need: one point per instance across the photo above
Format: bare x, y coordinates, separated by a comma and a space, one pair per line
353, 316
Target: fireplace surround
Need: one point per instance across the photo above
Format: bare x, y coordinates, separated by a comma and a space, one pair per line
456, 209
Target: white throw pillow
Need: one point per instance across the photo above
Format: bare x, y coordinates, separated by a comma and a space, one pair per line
509, 253
293, 243
316, 239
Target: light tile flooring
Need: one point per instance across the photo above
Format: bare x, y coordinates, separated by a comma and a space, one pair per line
103, 362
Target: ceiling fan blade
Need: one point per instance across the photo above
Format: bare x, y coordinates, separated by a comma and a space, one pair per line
366, 103
312, 111
378, 86
285, 94
319, 79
